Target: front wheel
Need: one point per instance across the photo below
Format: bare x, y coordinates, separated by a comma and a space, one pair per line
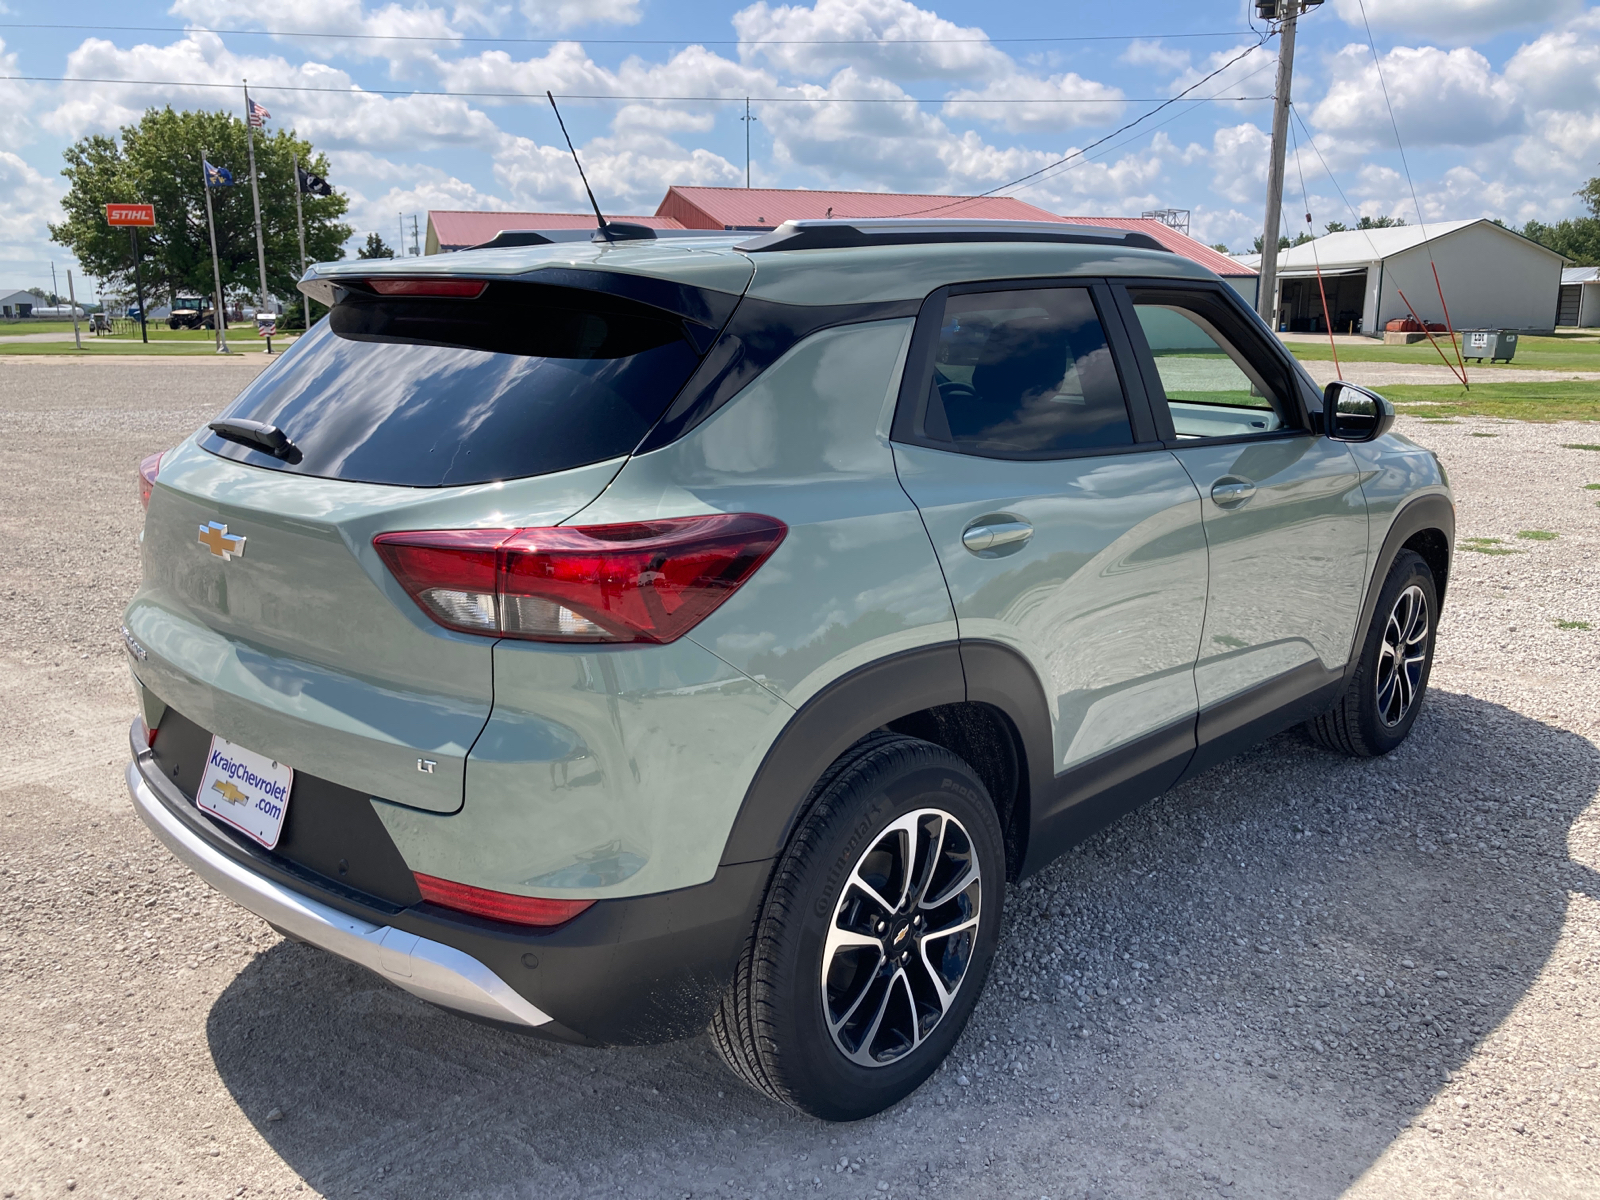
876, 935
1381, 702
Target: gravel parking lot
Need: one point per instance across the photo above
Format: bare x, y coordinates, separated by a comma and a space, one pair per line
1297, 976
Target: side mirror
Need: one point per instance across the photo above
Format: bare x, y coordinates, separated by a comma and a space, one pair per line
1354, 414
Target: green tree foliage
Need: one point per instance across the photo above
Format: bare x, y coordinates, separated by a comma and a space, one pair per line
1380, 222
1336, 227
1579, 237
157, 161
376, 247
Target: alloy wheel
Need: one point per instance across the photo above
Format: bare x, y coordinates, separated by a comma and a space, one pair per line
1402, 656
901, 937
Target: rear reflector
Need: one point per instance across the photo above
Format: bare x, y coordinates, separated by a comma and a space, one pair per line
147, 478
645, 581
463, 289
498, 906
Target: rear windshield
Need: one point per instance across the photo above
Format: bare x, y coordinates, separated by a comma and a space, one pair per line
436, 393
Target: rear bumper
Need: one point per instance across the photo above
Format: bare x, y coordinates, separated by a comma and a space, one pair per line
438, 973
625, 972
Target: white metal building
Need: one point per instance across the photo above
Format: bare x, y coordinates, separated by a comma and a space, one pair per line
1580, 297
1492, 278
17, 303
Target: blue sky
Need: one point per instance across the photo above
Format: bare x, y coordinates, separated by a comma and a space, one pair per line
1498, 102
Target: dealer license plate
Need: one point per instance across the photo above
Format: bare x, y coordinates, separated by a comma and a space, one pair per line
246, 790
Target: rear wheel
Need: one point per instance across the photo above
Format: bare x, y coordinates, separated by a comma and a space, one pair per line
1381, 702
876, 935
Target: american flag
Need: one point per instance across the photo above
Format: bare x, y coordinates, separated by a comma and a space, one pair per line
258, 115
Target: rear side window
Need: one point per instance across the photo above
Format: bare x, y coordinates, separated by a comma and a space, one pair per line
440, 392
1024, 373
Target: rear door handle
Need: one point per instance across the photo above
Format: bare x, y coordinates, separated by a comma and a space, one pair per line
989, 536
1231, 491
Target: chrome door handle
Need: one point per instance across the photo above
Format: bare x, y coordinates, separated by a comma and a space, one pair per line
1231, 492
989, 536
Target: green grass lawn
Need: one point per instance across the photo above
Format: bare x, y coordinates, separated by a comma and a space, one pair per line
1517, 401
1566, 352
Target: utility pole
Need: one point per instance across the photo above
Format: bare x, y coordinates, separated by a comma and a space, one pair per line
55, 293
416, 238
1287, 13
400, 246
747, 118
138, 287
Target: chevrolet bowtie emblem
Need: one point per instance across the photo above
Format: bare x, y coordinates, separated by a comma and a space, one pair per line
219, 541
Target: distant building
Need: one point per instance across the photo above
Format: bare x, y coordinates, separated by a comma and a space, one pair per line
757, 210
1580, 297
17, 304
450, 230
1491, 278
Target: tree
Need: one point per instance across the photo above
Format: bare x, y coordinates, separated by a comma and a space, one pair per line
1577, 238
1219, 247
1336, 227
376, 247
157, 161
1283, 242
1380, 222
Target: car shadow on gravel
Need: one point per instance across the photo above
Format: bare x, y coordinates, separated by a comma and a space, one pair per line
1248, 987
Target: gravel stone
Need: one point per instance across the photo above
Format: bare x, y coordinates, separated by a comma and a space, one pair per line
1134, 1040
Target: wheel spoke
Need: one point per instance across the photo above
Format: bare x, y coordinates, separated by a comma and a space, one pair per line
887, 984
955, 889
1402, 656
866, 990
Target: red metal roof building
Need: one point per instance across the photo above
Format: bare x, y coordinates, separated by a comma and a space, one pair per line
767, 208
454, 230
755, 209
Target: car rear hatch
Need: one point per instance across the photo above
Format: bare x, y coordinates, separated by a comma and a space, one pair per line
266, 617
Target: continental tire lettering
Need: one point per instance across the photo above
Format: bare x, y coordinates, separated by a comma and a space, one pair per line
960, 789
825, 901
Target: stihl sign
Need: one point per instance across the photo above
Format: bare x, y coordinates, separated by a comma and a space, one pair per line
130, 214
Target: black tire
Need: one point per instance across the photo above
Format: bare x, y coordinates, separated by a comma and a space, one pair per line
771, 1026
1379, 706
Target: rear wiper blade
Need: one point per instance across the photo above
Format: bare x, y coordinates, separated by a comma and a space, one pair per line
258, 435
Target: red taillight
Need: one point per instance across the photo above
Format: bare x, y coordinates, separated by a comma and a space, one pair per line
147, 478
646, 581
461, 289
498, 906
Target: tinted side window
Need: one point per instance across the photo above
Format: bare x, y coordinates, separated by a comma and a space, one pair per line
1213, 387
1025, 374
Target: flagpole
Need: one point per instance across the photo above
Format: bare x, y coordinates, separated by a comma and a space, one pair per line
300, 222
255, 197
217, 311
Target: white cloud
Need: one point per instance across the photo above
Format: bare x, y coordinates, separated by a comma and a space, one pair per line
1239, 158
628, 172
33, 200
1144, 53
569, 14
1454, 20
1253, 75
340, 115
566, 68
429, 188
1558, 71
1058, 103
838, 33
1439, 97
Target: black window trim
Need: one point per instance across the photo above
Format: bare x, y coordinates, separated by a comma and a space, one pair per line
917, 376
1254, 340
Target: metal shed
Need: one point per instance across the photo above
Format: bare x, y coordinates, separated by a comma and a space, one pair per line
1492, 278
1580, 297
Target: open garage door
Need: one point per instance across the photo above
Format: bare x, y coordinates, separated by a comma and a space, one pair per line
1300, 304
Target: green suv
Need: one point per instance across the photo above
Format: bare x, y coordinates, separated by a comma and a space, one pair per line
615, 638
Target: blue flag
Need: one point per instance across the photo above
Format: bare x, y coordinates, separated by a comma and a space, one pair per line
217, 176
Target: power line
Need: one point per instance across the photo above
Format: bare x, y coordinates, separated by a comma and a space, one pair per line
1035, 175
354, 91
527, 41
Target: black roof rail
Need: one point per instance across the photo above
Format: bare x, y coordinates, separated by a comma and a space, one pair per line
621, 231
907, 231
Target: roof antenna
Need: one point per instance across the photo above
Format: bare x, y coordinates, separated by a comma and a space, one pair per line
603, 234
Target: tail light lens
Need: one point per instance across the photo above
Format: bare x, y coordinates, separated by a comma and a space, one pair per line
645, 581
147, 478
498, 906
